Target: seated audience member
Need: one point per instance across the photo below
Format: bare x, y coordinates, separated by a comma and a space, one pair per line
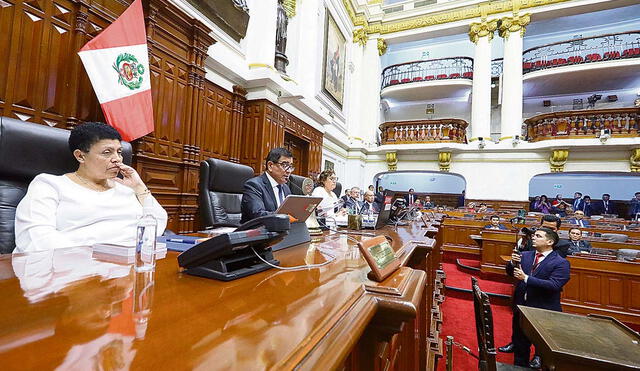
471, 208
461, 199
634, 207
370, 188
91, 205
560, 210
264, 193
542, 205
541, 274
533, 203
578, 219
327, 183
427, 204
353, 202
495, 224
369, 205
577, 201
605, 206
411, 197
440, 209
483, 208
587, 206
576, 243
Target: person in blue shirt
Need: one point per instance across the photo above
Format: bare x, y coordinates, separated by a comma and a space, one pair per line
495, 224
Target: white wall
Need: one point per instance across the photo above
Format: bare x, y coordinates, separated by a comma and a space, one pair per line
430, 182
417, 111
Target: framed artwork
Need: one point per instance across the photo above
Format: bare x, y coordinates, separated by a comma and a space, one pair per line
333, 61
328, 165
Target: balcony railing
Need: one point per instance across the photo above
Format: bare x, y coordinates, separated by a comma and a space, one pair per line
424, 131
432, 69
582, 50
621, 122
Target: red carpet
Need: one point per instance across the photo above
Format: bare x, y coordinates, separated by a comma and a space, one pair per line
458, 278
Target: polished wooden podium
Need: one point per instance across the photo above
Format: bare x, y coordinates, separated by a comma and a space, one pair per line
69, 308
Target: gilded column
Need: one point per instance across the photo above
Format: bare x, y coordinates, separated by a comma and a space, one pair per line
481, 35
512, 29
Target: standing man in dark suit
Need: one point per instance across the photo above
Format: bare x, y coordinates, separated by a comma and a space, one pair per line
605, 206
410, 198
265, 193
577, 201
541, 274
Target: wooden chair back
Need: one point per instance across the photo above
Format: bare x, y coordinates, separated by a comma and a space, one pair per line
484, 328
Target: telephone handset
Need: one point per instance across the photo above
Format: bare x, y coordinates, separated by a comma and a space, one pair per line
227, 256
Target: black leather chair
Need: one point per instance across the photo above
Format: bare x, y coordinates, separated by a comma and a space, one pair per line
220, 192
26, 150
295, 184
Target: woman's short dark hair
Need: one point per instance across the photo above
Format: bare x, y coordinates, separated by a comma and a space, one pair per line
326, 174
85, 135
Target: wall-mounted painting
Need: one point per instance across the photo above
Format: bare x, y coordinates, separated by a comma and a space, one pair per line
334, 60
328, 165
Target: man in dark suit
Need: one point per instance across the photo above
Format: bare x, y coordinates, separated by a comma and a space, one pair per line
411, 197
495, 224
576, 243
541, 274
634, 206
265, 193
352, 202
579, 220
368, 205
605, 206
588, 207
577, 201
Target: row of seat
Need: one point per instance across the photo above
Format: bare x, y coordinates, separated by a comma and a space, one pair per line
467, 75
592, 57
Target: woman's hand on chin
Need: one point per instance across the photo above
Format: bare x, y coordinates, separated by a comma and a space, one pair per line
130, 178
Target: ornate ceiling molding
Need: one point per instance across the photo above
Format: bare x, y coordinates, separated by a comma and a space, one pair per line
514, 24
452, 15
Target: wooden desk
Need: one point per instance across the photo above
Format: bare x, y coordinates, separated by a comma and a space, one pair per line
573, 342
493, 245
65, 307
606, 287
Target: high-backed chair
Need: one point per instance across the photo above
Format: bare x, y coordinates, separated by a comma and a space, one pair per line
484, 332
26, 150
220, 192
295, 184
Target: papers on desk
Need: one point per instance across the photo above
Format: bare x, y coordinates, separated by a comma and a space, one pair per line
124, 254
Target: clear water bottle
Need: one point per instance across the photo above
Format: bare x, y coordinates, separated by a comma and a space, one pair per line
146, 239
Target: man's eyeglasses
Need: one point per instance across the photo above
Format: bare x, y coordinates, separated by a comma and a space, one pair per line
286, 166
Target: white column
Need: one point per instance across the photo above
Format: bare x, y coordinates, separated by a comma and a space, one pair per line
369, 90
261, 33
512, 30
511, 110
481, 91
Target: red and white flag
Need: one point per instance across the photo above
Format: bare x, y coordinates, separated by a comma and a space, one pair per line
117, 62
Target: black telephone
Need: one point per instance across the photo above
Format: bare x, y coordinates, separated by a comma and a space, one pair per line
227, 256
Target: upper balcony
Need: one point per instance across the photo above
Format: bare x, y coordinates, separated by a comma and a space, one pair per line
569, 67
405, 81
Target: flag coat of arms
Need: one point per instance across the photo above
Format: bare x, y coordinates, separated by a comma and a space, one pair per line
117, 62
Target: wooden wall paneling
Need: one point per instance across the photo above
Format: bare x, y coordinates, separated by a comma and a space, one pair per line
238, 109
216, 137
39, 37
251, 152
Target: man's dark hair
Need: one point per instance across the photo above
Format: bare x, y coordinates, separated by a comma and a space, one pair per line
579, 193
578, 229
551, 218
606, 194
85, 135
551, 235
586, 197
494, 216
275, 154
637, 193
411, 190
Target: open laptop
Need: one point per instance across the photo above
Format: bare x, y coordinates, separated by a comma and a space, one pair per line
299, 207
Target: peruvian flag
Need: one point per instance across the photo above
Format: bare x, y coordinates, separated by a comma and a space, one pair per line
117, 62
